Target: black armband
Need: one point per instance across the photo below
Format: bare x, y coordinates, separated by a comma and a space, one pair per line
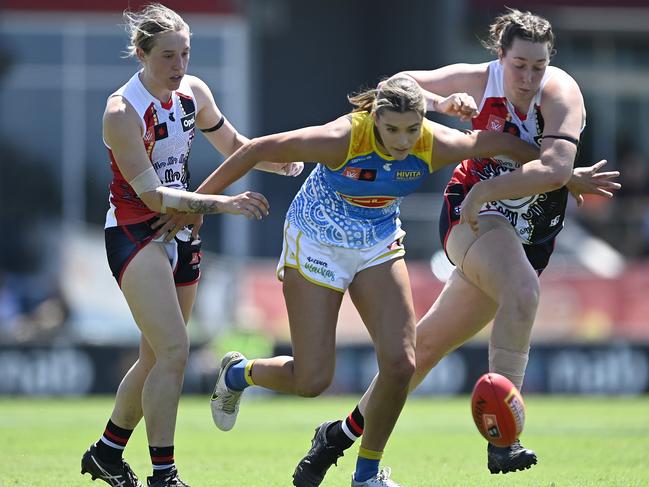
216, 127
562, 137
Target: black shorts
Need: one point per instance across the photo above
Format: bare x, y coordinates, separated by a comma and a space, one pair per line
125, 241
538, 255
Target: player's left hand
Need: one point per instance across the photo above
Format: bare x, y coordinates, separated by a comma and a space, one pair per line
588, 180
291, 169
170, 224
284, 169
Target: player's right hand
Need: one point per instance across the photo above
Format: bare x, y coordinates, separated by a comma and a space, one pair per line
461, 105
249, 204
170, 224
588, 180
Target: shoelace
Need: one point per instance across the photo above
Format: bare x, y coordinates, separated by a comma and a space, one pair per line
384, 473
174, 481
129, 474
229, 401
116, 480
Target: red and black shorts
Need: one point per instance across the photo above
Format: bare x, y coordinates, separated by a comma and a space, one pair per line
125, 241
538, 255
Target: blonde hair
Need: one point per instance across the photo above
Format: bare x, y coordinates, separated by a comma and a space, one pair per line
516, 24
401, 94
152, 19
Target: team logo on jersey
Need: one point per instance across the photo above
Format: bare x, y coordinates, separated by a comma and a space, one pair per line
148, 135
495, 123
161, 131
404, 175
188, 122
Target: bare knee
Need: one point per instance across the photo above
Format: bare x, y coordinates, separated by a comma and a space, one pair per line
174, 356
313, 376
429, 352
515, 318
313, 386
398, 368
145, 364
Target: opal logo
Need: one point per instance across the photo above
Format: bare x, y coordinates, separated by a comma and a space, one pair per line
188, 122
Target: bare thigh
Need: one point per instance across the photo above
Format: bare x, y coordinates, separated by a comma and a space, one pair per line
186, 299
494, 261
150, 292
186, 296
383, 298
313, 315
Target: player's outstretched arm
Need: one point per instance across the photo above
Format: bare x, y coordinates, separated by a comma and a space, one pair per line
327, 144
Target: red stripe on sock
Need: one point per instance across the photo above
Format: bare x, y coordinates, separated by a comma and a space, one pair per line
357, 429
162, 459
113, 437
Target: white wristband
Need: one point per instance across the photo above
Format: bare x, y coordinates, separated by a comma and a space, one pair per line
170, 198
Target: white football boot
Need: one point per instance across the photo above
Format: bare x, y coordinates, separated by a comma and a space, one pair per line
381, 479
225, 402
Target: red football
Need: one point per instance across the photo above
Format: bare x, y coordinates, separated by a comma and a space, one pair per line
498, 409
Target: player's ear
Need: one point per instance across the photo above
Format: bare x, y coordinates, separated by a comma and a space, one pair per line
139, 52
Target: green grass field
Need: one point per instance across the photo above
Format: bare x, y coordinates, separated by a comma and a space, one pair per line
580, 442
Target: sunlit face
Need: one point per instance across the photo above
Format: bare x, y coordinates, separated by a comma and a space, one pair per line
524, 65
398, 131
166, 63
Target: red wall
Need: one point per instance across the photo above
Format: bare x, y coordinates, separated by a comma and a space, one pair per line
573, 307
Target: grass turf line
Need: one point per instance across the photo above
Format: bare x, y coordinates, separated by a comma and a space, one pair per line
581, 442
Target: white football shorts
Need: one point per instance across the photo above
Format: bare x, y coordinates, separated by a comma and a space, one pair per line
331, 266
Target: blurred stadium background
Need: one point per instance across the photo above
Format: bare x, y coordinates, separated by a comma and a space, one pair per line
276, 65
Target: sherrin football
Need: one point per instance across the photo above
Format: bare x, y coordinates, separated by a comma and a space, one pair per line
498, 409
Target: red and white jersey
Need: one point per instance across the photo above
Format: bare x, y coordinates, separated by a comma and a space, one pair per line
536, 218
167, 135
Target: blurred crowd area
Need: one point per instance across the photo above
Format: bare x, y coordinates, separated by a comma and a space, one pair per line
624, 221
266, 61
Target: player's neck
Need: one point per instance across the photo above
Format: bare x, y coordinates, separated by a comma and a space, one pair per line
161, 93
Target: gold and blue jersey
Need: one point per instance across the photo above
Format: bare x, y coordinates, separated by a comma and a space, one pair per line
356, 205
